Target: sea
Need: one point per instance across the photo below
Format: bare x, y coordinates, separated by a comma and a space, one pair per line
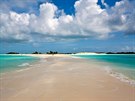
10, 62
121, 66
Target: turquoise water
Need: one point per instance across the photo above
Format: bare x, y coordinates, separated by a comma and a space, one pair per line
13, 62
122, 63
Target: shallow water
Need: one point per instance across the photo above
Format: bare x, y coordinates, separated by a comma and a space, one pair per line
12, 62
122, 63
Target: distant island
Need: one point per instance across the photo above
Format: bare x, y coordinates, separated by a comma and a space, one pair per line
12, 53
36, 52
120, 53
55, 52
51, 52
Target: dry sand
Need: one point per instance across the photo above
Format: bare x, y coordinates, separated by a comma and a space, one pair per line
63, 78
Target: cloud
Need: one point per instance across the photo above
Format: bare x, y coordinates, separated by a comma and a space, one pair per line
104, 4
121, 17
7, 5
14, 26
52, 24
128, 48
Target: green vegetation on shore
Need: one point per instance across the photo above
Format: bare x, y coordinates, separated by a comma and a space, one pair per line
55, 52
12, 53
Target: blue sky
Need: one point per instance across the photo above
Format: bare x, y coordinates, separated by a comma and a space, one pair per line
67, 25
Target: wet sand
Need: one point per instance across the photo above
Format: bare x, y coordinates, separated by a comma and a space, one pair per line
64, 78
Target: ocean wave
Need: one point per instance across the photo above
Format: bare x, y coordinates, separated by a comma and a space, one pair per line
24, 64
119, 76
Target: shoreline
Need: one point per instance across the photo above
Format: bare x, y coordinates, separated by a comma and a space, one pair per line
63, 77
116, 74
116, 68
109, 68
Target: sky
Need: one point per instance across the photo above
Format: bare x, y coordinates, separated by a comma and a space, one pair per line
67, 25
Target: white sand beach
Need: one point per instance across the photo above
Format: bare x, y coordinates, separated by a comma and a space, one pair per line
63, 78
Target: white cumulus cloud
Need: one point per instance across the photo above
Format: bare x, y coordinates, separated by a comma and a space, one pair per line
89, 21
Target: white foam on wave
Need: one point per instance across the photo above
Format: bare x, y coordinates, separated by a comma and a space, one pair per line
24, 64
119, 76
75, 57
